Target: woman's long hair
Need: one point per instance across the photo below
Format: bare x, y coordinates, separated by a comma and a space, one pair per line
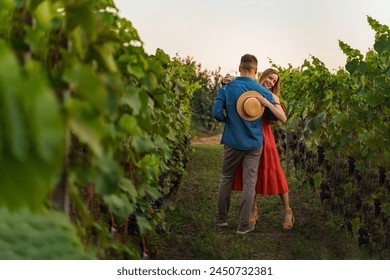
276, 88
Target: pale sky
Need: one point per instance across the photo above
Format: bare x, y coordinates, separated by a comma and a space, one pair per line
216, 33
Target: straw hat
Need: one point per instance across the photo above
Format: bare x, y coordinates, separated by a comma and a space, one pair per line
249, 107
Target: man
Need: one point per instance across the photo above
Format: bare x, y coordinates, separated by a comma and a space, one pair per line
237, 106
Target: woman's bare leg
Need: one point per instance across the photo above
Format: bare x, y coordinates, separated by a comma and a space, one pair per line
254, 215
285, 199
288, 214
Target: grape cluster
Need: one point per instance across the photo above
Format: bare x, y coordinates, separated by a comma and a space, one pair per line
311, 182
161, 180
157, 204
132, 226
363, 236
377, 207
294, 142
382, 176
325, 192
321, 154
351, 165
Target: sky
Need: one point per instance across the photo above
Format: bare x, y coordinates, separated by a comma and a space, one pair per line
216, 33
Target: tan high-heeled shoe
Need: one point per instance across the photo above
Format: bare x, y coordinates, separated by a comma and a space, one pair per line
289, 219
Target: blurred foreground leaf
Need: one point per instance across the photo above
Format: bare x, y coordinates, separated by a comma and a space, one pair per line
33, 236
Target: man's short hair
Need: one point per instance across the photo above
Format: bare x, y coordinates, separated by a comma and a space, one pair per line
248, 61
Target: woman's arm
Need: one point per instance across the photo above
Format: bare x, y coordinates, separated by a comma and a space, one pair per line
276, 109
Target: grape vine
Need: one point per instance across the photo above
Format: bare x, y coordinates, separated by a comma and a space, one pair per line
343, 118
92, 128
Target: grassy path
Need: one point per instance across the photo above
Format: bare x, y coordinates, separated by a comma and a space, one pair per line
192, 234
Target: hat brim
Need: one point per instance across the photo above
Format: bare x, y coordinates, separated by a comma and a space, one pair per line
240, 106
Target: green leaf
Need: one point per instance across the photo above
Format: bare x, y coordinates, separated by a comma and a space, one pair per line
132, 99
144, 225
160, 143
155, 194
129, 125
119, 204
27, 182
126, 185
88, 86
86, 124
342, 119
372, 98
38, 236
386, 209
150, 165
387, 68
320, 119
14, 127
33, 146
9, 4
352, 66
355, 225
348, 189
105, 56
317, 180
43, 14
80, 15
308, 128
361, 166
141, 144
109, 173
43, 114
136, 71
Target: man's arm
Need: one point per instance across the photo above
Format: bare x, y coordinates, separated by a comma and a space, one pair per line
219, 106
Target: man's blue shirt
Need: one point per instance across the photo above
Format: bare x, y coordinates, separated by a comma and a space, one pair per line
239, 133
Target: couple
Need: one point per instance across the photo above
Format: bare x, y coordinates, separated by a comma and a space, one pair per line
247, 108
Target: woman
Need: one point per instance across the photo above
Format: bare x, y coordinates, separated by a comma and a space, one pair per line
271, 179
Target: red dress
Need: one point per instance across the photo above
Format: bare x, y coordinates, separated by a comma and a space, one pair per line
271, 178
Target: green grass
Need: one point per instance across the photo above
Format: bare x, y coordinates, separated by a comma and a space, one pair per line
192, 234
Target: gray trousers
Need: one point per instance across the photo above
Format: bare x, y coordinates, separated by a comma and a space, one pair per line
231, 159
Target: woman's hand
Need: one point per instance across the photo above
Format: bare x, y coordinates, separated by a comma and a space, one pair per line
276, 109
227, 79
264, 101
